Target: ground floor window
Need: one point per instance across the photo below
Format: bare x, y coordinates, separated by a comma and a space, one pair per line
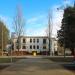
44, 47
34, 47
23, 47
30, 46
37, 47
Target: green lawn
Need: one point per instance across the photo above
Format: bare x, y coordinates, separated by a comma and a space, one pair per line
8, 60
59, 59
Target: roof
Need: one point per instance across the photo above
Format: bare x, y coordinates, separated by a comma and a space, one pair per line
32, 37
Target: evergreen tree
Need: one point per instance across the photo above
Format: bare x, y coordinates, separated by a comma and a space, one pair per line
66, 35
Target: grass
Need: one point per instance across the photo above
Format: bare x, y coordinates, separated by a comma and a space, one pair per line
8, 60
59, 59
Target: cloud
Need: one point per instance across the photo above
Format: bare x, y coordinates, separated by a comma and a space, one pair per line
36, 26
36, 32
32, 20
57, 18
37, 19
3, 18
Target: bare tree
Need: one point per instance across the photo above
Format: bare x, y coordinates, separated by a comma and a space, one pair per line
49, 31
19, 25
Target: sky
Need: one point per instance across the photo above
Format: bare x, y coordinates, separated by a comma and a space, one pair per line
35, 14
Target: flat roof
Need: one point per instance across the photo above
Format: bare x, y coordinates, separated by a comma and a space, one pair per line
32, 37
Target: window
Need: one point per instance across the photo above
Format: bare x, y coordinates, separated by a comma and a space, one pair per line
30, 46
24, 40
23, 47
34, 47
37, 40
30, 40
44, 47
44, 41
34, 40
37, 47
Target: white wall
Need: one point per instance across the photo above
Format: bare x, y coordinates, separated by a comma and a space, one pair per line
40, 44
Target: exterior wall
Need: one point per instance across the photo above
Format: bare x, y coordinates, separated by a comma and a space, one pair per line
53, 46
27, 44
40, 44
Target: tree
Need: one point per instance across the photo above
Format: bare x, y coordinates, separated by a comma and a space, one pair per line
49, 30
19, 25
66, 35
4, 36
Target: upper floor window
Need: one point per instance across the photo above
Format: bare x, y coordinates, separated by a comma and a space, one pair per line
24, 40
30, 40
34, 40
44, 41
37, 40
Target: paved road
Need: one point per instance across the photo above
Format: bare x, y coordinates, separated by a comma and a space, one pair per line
36, 66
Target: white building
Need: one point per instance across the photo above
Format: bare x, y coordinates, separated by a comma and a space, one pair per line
38, 44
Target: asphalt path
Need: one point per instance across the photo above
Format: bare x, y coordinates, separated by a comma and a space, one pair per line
38, 66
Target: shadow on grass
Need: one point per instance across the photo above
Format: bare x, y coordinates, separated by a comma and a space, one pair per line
3, 66
59, 59
8, 60
70, 67
5, 62
67, 62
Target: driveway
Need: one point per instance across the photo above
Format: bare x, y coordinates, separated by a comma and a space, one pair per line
36, 66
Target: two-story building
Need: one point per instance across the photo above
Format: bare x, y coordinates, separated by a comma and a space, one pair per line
33, 44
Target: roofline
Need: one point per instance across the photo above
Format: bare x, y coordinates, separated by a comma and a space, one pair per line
32, 37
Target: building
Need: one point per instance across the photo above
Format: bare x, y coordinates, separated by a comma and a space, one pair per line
33, 44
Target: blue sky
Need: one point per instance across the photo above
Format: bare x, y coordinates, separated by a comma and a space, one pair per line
35, 13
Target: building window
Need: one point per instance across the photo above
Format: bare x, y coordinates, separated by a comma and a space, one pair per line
34, 40
34, 47
24, 40
44, 41
30, 46
37, 47
23, 47
30, 40
37, 40
44, 47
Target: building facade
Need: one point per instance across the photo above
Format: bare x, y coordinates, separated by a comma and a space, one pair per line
31, 44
